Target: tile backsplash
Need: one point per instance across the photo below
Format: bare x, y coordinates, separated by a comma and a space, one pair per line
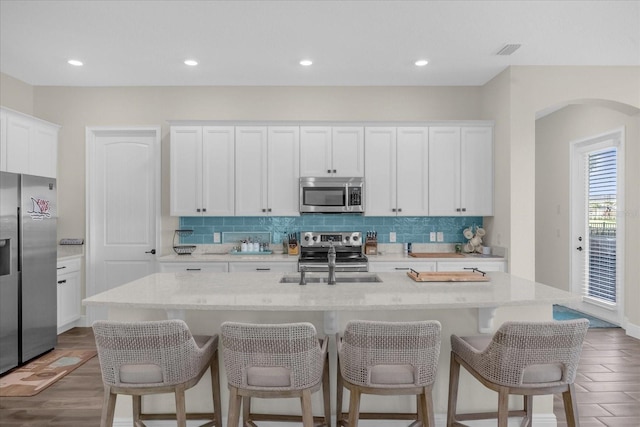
407, 229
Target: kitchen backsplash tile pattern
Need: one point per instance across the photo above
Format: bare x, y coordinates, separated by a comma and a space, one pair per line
407, 229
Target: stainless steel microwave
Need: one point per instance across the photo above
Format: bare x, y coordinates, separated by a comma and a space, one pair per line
331, 195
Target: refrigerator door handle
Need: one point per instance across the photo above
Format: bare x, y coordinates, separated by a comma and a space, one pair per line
19, 212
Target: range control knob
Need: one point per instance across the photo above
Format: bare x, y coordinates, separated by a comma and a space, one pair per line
306, 238
355, 238
315, 238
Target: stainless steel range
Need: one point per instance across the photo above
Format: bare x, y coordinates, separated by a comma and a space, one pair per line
314, 251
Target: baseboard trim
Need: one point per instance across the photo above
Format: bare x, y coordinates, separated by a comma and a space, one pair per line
539, 420
631, 329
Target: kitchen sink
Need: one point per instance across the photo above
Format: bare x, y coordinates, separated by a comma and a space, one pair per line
360, 278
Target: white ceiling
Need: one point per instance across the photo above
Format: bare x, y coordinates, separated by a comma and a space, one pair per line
145, 42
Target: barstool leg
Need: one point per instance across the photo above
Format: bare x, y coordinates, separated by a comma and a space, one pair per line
528, 411
215, 390
454, 376
571, 406
354, 406
307, 414
181, 415
339, 395
137, 408
233, 417
108, 407
427, 408
326, 392
503, 407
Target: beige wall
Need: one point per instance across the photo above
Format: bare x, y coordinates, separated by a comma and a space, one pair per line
530, 90
16, 94
553, 242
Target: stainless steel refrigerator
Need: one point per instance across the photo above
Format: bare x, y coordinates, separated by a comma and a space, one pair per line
28, 245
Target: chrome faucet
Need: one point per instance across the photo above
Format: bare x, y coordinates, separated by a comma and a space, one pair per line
332, 265
303, 280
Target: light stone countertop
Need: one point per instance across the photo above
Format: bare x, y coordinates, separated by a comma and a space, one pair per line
65, 252
263, 292
390, 257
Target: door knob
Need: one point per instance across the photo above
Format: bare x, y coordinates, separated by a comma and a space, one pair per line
152, 252
579, 248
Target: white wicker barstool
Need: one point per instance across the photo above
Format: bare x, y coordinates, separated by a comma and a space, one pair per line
522, 358
153, 357
388, 358
274, 361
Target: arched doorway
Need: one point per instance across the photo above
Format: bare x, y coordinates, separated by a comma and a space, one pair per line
566, 256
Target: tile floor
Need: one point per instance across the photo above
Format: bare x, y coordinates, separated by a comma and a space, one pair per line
608, 381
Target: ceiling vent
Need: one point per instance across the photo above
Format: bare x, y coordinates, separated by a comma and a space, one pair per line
508, 49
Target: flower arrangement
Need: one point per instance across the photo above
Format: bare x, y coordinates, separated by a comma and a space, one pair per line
474, 244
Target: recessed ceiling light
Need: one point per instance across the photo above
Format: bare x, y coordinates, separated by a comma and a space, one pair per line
306, 62
191, 62
421, 62
75, 63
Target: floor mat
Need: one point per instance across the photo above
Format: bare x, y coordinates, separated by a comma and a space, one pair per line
40, 373
561, 312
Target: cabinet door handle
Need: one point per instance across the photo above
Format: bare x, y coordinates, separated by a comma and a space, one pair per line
204, 209
60, 268
198, 210
402, 268
264, 210
328, 170
194, 269
399, 209
335, 171
263, 269
269, 210
457, 209
393, 209
60, 282
464, 209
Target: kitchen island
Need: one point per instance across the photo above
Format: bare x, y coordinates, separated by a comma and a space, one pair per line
205, 300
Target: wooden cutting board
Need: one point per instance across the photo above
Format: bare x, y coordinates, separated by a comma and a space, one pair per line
447, 276
435, 255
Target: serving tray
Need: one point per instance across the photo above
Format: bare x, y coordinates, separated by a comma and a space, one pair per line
447, 276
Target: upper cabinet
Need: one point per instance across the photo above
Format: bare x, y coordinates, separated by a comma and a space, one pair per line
332, 151
202, 170
396, 176
267, 170
28, 145
461, 171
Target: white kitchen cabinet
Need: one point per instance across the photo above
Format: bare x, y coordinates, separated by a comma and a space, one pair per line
202, 170
466, 265
193, 267
332, 151
28, 145
396, 171
461, 171
400, 266
267, 170
68, 291
263, 266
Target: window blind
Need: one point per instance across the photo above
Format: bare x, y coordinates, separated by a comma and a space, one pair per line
602, 211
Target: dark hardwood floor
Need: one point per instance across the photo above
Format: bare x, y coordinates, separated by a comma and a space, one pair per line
608, 386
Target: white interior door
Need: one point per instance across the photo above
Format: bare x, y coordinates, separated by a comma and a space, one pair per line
123, 207
597, 245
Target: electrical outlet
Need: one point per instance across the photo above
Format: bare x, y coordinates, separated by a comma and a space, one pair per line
216, 238
440, 236
392, 237
432, 236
